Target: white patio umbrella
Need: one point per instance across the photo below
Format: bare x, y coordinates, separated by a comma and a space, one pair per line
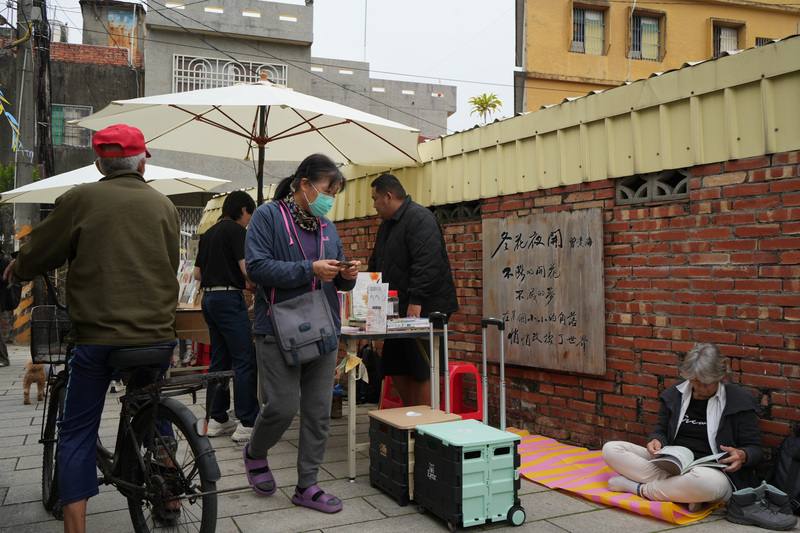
165, 180
280, 123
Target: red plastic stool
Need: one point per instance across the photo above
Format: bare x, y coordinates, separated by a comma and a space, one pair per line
390, 399
458, 370
203, 353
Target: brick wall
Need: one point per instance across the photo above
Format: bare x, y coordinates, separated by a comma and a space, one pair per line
84, 53
722, 266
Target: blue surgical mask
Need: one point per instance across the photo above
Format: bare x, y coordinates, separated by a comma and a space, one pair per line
321, 205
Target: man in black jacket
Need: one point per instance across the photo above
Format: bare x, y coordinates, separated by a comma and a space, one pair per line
410, 253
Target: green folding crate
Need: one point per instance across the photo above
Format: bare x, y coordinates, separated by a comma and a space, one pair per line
467, 473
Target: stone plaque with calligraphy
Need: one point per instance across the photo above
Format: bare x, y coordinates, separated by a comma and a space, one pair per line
543, 275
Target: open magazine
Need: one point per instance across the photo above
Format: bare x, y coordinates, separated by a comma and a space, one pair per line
679, 460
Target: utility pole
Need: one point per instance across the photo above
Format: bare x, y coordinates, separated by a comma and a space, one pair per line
25, 215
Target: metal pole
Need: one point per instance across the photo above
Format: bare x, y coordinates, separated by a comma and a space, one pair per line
485, 379
262, 127
446, 371
502, 381
433, 367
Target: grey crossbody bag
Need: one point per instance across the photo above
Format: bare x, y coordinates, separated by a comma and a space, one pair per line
304, 326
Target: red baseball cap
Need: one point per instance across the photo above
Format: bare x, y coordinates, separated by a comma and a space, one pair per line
119, 140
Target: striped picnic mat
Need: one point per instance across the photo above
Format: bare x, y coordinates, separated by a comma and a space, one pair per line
583, 472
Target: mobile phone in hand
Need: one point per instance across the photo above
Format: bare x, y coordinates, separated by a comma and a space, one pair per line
346, 264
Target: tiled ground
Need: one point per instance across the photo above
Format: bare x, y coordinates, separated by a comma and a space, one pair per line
365, 509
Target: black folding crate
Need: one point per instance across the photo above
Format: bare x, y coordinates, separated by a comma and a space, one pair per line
388, 460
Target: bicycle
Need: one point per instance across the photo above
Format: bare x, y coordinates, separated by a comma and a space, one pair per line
161, 454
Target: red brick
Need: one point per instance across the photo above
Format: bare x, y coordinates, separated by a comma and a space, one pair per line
709, 259
760, 230
763, 202
790, 258
749, 189
768, 341
779, 215
747, 164
758, 285
727, 219
754, 258
638, 390
707, 170
734, 245
787, 243
791, 199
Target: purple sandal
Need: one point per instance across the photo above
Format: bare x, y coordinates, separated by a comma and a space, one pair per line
316, 498
259, 476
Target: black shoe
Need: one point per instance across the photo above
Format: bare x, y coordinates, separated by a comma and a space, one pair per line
748, 508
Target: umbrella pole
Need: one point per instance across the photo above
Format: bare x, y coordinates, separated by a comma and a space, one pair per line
262, 126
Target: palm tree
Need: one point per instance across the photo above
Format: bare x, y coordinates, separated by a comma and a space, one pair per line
485, 104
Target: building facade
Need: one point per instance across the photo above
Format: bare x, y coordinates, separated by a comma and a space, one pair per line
696, 173
567, 48
193, 45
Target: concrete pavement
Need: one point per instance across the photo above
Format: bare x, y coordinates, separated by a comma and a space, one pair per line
365, 509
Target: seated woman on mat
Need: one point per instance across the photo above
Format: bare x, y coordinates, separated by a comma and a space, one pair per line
704, 415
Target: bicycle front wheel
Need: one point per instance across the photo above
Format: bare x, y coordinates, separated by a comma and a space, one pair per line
179, 471
55, 409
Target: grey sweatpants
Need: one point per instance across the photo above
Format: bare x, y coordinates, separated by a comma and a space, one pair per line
282, 390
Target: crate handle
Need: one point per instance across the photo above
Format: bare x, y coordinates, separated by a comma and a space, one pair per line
505, 450
475, 454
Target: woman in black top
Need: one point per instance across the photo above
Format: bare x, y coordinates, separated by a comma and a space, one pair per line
704, 415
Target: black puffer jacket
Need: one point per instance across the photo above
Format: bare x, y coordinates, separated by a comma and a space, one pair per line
738, 428
410, 253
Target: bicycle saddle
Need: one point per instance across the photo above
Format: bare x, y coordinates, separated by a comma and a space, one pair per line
148, 356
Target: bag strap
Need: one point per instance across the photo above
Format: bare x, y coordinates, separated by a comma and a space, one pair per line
287, 216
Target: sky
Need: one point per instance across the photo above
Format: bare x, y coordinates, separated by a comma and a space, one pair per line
417, 40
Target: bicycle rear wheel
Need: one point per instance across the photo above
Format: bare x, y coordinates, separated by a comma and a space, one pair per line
55, 409
178, 465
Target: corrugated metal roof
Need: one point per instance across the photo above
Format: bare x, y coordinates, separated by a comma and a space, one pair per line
738, 105
213, 208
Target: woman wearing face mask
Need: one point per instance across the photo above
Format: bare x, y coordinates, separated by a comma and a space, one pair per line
292, 248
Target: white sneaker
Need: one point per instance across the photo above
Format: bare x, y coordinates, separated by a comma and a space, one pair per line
242, 434
215, 429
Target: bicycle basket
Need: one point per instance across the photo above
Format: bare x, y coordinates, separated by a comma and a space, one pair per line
50, 329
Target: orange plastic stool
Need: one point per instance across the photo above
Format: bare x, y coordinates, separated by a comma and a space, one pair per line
390, 399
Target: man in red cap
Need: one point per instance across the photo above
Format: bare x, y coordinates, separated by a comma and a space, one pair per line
121, 238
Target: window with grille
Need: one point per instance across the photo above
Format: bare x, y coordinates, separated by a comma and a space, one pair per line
191, 73
588, 31
655, 187
65, 134
190, 219
726, 39
763, 41
646, 37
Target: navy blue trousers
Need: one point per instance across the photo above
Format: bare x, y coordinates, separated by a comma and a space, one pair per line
89, 377
225, 313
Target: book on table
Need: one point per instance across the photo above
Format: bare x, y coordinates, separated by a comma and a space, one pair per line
678, 460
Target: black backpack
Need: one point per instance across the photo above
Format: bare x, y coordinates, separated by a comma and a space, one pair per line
786, 475
10, 293
369, 392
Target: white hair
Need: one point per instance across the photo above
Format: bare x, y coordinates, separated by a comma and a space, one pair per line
109, 165
703, 363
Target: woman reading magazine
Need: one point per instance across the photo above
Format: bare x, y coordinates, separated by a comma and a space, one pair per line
705, 416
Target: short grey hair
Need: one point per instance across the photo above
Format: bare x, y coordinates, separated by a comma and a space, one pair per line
109, 165
703, 363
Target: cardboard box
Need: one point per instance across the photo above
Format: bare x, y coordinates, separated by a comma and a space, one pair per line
190, 324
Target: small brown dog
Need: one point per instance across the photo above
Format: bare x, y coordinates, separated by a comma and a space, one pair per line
33, 374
